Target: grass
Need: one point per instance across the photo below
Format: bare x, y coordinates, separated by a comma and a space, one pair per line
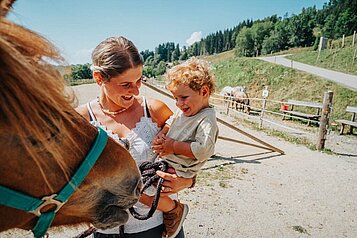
300, 229
284, 83
336, 57
81, 81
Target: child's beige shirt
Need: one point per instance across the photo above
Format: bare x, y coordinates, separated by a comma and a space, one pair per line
202, 131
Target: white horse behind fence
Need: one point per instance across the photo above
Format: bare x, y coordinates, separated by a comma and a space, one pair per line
229, 91
226, 91
238, 96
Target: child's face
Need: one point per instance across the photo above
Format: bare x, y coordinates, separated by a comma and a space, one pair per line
190, 102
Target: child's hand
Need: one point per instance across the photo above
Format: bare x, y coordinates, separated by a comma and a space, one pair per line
157, 145
165, 146
158, 139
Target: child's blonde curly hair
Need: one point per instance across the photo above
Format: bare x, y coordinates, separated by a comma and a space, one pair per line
194, 73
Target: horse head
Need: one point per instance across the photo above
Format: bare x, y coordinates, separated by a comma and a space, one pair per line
43, 141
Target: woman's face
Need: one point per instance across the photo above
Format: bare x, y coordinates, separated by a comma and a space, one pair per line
122, 88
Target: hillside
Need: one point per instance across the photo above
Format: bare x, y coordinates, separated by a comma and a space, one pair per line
336, 57
284, 83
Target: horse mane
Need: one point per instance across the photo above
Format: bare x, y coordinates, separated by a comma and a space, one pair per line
35, 104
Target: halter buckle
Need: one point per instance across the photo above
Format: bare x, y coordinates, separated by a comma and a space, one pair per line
48, 200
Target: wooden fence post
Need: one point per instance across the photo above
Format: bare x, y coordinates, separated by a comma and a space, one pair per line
324, 121
353, 58
262, 113
228, 103
265, 94
343, 41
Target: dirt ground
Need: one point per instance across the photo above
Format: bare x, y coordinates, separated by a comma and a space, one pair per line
245, 191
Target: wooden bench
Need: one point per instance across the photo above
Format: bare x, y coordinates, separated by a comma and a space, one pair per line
288, 110
352, 123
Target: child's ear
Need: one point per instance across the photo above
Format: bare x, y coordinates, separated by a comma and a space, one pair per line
205, 90
98, 78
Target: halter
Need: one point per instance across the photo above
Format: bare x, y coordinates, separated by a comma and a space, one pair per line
18, 200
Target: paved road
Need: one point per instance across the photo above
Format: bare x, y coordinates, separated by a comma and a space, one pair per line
347, 80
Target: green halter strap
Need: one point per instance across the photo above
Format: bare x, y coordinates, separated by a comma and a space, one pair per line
18, 200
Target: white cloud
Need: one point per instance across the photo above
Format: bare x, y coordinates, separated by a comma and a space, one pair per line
195, 37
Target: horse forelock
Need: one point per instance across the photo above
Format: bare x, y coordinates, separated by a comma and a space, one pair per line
32, 95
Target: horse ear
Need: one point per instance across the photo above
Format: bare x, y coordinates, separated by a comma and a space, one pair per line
5, 6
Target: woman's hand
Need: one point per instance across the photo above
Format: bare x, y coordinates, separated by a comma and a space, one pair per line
172, 183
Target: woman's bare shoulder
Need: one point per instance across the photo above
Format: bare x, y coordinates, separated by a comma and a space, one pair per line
159, 111
82, 109
157, 104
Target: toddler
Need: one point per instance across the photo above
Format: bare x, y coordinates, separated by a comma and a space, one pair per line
189, 136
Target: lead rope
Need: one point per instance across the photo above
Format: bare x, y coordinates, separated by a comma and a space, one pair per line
149, 177
148, 174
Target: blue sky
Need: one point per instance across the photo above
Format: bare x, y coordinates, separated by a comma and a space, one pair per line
77, 26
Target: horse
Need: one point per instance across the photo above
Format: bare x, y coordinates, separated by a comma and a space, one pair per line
227, 93
241, 101
237, 97
43, 142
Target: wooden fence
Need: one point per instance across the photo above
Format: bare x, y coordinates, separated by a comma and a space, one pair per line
267, 112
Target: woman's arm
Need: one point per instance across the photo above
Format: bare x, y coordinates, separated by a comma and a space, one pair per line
82, 109
159, 111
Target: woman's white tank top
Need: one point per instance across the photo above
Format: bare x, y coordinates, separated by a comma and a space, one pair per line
139, 141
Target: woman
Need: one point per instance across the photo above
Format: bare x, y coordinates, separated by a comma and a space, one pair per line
126, 116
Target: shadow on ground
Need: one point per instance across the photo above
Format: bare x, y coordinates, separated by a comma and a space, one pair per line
216, 159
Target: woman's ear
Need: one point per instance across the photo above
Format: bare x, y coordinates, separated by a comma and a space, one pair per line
98, 78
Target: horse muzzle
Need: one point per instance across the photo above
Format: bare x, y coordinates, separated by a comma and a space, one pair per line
112, 209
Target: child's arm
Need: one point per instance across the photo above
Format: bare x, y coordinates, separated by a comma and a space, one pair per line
170, 146
200, 149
